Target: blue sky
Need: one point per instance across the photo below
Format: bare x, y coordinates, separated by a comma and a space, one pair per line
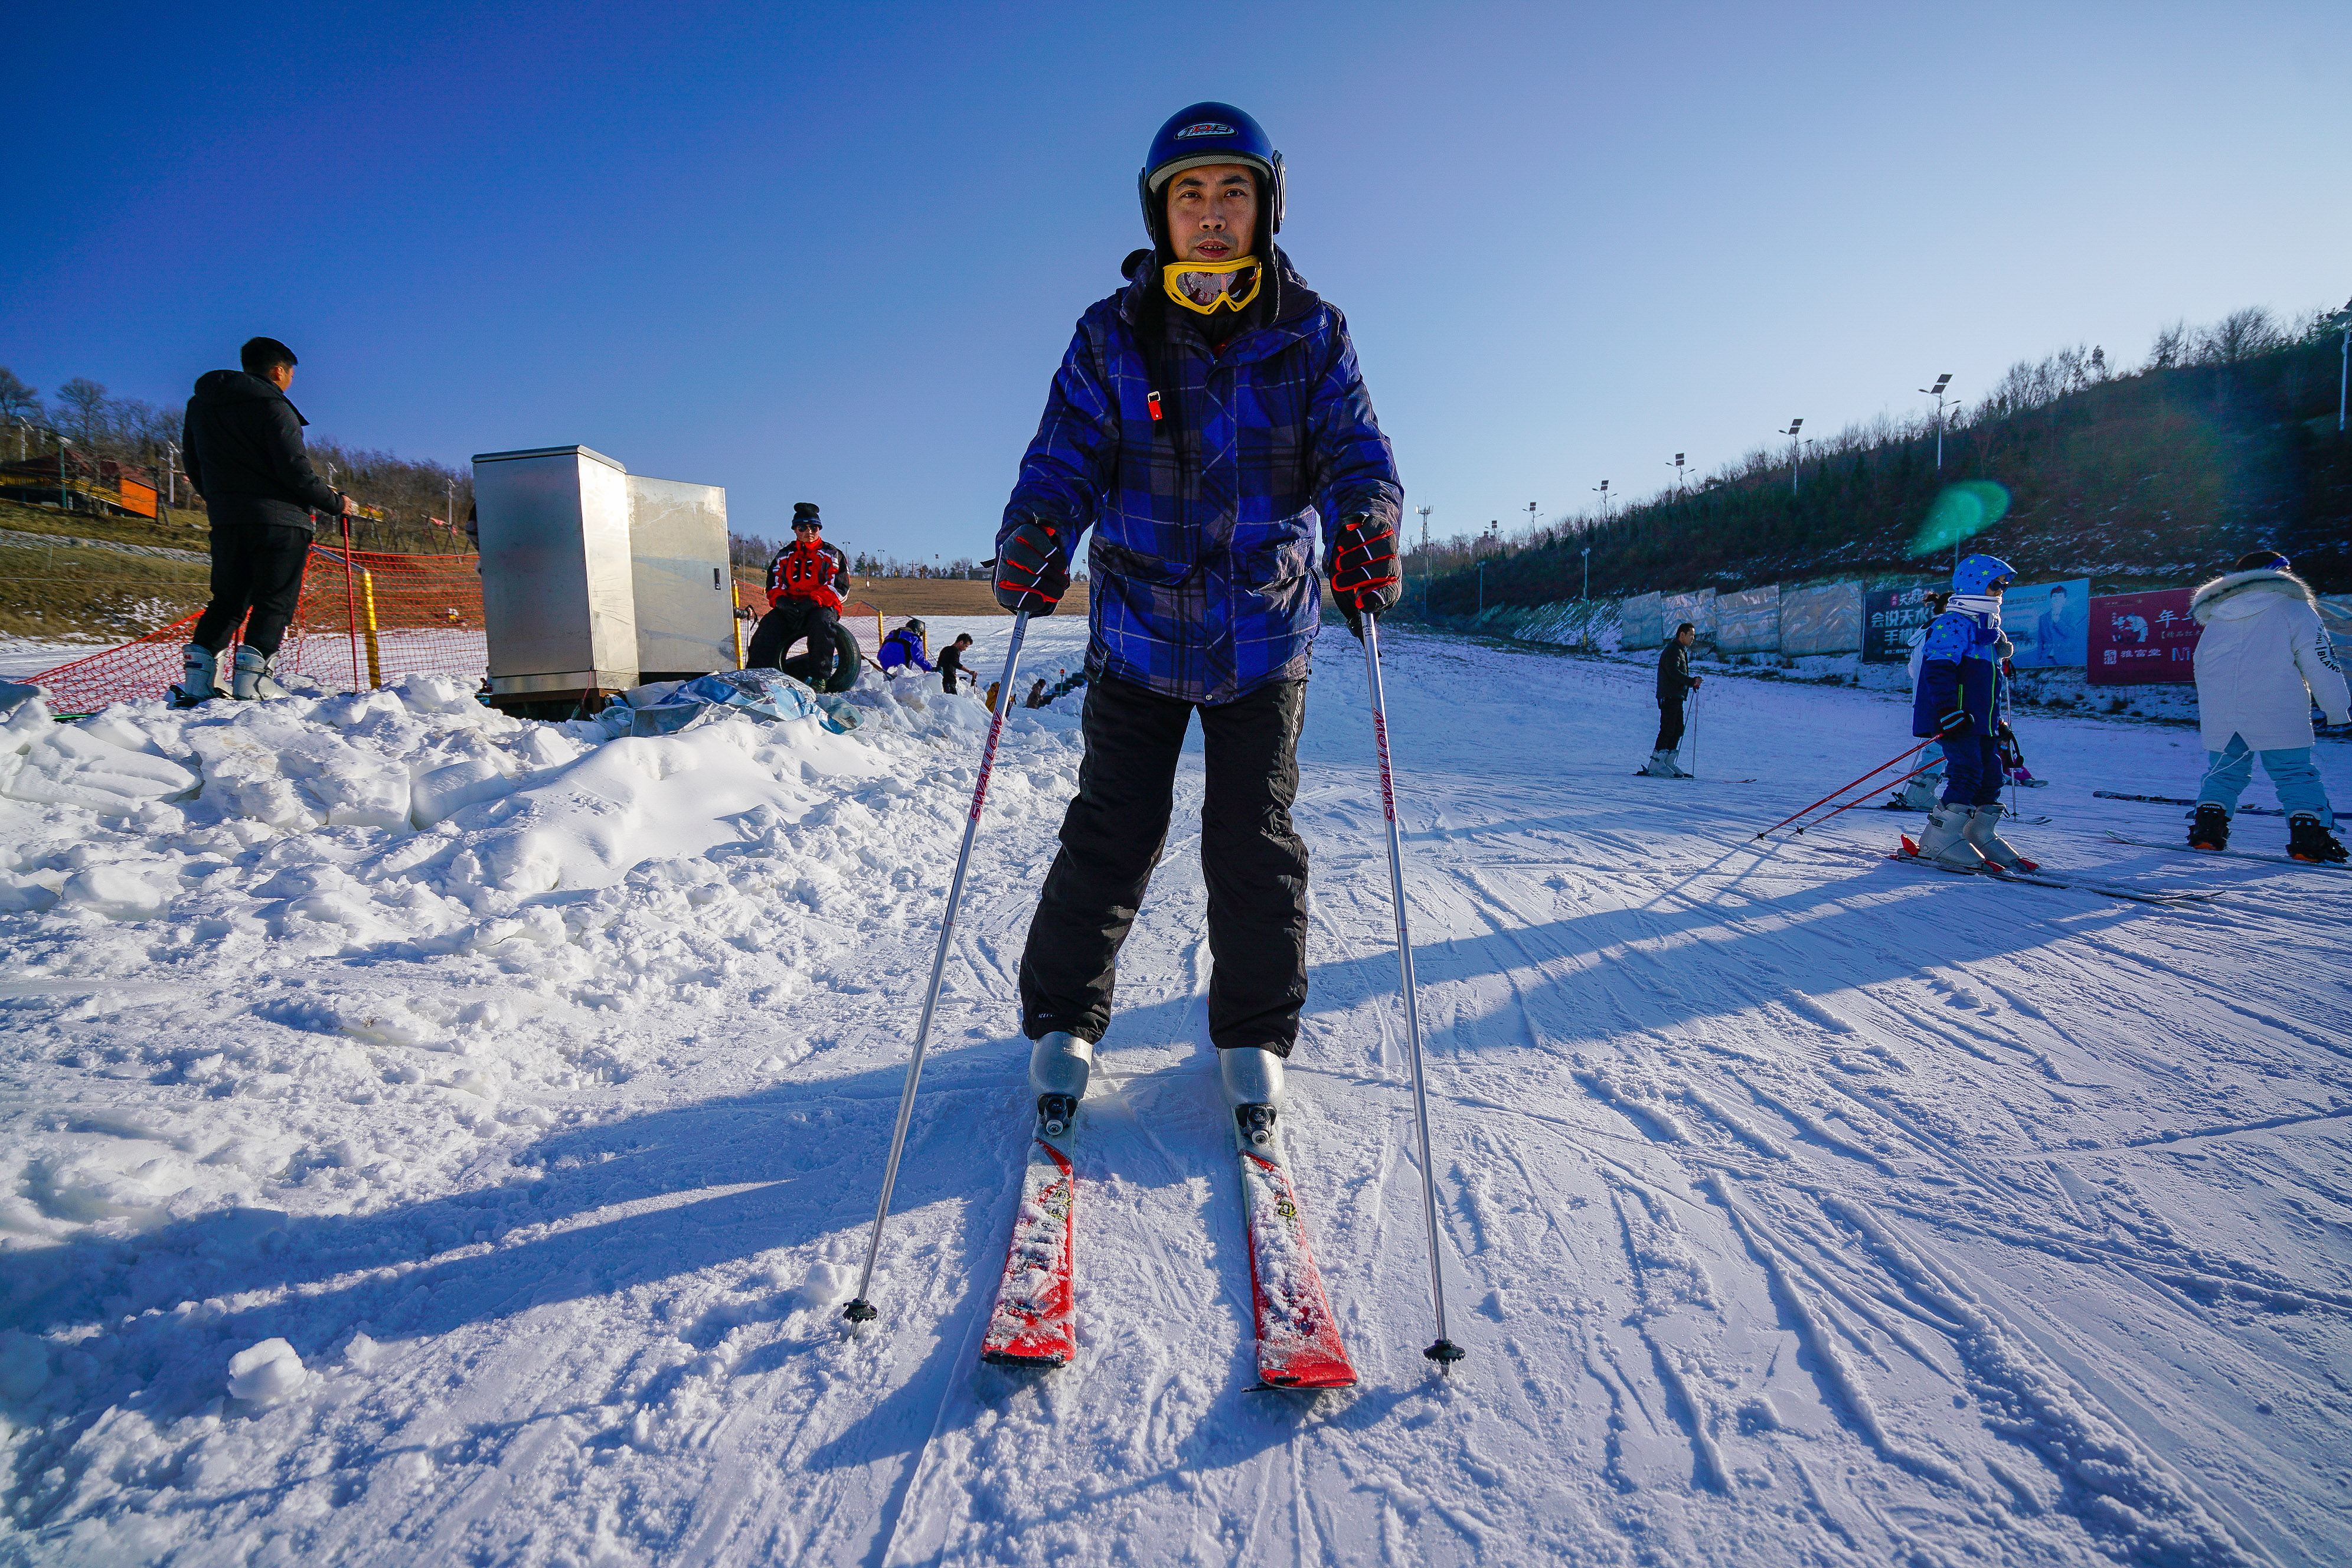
834, 253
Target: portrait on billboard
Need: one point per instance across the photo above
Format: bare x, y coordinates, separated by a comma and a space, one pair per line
2050, 622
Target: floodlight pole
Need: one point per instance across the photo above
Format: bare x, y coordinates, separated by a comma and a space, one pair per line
1796, 455
1937, 392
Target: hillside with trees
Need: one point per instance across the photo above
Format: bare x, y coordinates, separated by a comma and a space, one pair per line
2225, 438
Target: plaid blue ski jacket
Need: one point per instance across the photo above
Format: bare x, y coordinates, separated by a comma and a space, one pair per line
1202, 565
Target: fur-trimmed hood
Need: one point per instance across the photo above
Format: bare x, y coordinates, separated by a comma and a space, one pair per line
2264, 581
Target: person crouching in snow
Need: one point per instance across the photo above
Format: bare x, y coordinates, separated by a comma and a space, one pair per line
1963, 701
2261, 663
1208, 421
804, 585
904, 648
1676, 683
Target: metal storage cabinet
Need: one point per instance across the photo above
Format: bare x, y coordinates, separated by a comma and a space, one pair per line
686, 602
558, 580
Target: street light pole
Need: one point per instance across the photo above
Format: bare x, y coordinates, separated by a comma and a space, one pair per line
1602, 490
1531, 518
1678, 473
1425, 563
2343, 362
1937, 392
1585, 598
1795, 455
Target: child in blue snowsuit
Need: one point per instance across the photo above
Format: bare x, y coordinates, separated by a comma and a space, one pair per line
903, 647
1962, 701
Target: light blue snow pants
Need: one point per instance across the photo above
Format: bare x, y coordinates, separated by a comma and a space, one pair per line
2292, 772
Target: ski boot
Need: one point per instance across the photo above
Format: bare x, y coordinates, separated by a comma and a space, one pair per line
1059, 1064
252, 678
2309, 839
1663, 765
198, 684
1945, 841
1252, 1080
2211, 829
1991, 844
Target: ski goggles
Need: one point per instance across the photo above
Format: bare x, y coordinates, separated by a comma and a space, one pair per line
1220, 292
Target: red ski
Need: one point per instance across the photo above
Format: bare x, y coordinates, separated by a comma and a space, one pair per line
1035, 1322
1297, 1343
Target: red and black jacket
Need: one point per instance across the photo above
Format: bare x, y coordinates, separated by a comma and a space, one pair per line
819, 571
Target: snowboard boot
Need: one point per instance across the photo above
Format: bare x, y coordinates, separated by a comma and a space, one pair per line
2309, 839
200, 683
2211, 829
252, 678
1990, 844
1059, 1064
1253, 1079
1663, 765
1946, 840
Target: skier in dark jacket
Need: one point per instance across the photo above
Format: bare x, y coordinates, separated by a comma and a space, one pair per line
242, 442
1676, 683
804, 597
952, 669
1208, 421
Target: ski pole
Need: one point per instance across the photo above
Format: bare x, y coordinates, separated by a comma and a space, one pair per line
860, 1310
1444, 1352
1847, 786
1857, 800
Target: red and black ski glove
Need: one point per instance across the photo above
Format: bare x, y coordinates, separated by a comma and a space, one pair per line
1032, 569
1364, 571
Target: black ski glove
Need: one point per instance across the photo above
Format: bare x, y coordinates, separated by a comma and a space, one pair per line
1954, 724
1032, 569
1364, 571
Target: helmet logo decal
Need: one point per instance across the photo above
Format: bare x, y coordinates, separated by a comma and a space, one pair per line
1206, 127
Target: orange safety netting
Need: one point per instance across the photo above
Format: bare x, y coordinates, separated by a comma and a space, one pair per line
363, 619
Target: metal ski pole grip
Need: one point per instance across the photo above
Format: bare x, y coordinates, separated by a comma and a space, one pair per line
860, 1310
1444, 1352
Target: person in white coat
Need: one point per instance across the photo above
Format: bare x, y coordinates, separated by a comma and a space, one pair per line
2261, 663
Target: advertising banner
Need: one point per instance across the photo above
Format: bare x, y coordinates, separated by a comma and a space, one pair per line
1893, 619
2143, 640
2050, 622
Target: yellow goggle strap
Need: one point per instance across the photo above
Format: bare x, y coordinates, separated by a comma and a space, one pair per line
1227, 300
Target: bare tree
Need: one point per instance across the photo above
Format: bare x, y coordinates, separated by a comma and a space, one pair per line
81, 403
17, 401
2166, 350
2239, 335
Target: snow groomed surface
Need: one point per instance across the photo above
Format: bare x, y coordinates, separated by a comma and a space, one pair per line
442, 1140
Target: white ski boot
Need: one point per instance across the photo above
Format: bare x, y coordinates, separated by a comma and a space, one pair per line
1665, 765
1991, 844
252, 678
1059, 1066
200, 683
1252, 1080
1919, 794
1945, 841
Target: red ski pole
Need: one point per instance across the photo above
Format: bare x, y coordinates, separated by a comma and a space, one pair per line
1847, 786
1857, 800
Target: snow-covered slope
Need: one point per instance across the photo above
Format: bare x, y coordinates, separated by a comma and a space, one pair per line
484, 1190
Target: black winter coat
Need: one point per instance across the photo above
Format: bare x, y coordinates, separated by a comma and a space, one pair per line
242, 442
1674, 672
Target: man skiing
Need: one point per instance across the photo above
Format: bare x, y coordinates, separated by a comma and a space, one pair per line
1208, 417
2263, 661
804, 597
1963, 701
1676, 683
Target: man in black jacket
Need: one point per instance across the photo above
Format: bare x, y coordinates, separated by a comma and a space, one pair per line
243, 444
1676, 682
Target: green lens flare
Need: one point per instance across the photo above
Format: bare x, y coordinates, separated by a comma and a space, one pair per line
1964, 509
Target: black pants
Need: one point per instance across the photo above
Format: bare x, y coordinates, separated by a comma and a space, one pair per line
257, 566
790, 621
1670, 723
1111, 837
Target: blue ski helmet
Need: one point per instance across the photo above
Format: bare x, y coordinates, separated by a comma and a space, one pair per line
1208, 133
1977, 574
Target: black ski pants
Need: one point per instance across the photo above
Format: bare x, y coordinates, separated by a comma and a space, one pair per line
257, 566
1253, 860
786, 624
1670, 723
